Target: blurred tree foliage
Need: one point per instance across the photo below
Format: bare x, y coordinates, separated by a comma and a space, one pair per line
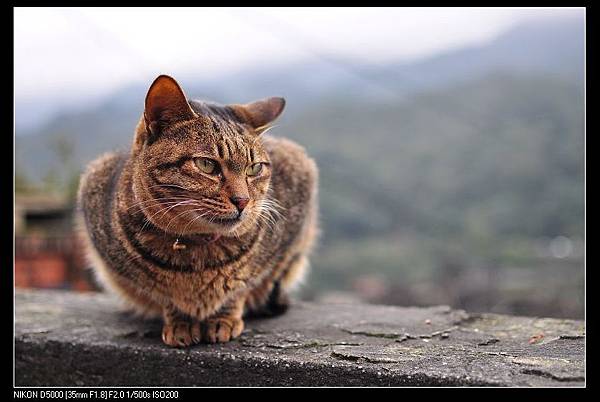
23, 184
448, 181
501, 156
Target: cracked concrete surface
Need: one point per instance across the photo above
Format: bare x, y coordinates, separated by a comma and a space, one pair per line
75, 339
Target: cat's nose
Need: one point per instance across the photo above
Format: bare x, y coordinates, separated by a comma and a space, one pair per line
240, 202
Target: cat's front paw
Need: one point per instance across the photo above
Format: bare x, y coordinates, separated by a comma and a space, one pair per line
181, 333
221, 329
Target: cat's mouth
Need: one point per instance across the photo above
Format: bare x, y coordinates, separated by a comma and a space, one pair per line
227, 221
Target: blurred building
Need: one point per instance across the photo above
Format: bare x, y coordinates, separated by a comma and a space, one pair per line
47, 253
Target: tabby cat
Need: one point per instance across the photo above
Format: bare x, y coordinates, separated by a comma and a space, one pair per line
205, 220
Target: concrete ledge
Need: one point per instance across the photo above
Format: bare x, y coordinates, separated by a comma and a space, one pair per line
75, 339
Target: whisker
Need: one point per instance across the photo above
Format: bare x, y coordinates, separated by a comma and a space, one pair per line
160, 204
272, 208
178, 215
166, 210
193, 220
264, 218
156, 199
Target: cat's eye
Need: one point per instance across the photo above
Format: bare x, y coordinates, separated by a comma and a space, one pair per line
207, 166
254, 170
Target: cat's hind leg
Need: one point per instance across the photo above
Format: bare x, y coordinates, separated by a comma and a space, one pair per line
271, 298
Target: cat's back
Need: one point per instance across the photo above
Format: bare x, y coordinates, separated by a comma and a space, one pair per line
97, 187
295, 174
294, 183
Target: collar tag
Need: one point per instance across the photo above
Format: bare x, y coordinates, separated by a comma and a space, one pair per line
178, 246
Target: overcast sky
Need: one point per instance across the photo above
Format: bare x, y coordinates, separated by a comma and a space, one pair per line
72, 51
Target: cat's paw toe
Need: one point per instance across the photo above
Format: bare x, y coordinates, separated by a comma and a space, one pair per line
181, 334
222, 329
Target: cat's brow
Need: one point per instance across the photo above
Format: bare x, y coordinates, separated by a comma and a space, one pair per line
220, 151
204, 150
229, 147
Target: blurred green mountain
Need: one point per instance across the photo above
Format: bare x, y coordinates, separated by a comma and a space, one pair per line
451, 185
502, 155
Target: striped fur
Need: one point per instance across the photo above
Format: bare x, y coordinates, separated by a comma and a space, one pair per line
150, 222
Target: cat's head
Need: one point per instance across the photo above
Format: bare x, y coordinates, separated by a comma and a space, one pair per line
201, 168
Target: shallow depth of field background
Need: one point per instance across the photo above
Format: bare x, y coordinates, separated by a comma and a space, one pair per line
450, 141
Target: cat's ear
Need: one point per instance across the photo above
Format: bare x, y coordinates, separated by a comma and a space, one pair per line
165, 104
260, 113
